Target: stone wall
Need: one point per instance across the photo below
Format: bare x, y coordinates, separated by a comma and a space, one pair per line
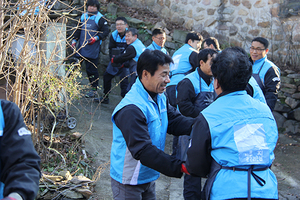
236, 22
287, 108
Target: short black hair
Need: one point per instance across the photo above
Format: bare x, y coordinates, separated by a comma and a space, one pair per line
133, 31
193, 36
232, 69
262, 40
93, 3
149, 61
157, 31
213, 41
122, 18
203, 54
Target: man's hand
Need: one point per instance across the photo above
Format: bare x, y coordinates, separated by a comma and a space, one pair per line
73, 43
8, 198
92, 40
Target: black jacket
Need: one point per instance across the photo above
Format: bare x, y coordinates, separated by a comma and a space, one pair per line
20, 163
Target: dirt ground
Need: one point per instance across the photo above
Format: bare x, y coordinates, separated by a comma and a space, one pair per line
94, 120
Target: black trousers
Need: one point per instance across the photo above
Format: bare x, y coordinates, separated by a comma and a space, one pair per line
91, 67
107, 83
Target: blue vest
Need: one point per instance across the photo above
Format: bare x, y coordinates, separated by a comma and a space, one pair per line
2, 125
154, 46
243, 134
139, 48
257, 92
124, 168
205, 94
181, 65
120, 42
260, 68
89, 29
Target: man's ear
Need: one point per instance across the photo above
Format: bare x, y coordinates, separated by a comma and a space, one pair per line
201, 62
190, 41
267, 50
145, 74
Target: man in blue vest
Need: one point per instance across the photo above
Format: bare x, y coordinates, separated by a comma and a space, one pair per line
140, 123
185, 61
117, 46
233, 139
158, 40
266, 73
20, 163
211, 43
252, 88
194, 93
93, 29
131, 55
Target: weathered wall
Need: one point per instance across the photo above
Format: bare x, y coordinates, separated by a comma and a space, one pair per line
236, 22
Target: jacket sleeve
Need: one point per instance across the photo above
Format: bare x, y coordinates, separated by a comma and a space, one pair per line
103, 28
198, 154
272, 85
185, 98
138, 141
177, 123
20, 163
77, 32
112, 44
129, 54
194, 60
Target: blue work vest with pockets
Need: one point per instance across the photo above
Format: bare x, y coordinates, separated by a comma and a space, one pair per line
89, 29
124, 168
243, 136
181, 65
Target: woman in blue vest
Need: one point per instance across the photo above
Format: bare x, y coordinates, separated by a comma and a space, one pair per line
93, 29
20, 163
233, 139
194, 93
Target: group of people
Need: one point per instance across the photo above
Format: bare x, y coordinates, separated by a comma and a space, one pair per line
218, 106
217, 103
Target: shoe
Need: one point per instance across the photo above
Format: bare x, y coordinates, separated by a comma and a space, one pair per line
102, 100
91, 94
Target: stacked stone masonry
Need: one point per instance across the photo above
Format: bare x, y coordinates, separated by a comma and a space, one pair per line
236, 22
287, 108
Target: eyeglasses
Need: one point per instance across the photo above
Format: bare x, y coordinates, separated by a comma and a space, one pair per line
257, 50
160, 38
120, 24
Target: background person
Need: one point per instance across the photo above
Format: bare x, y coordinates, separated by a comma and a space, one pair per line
137, 152
158, 40
194, 93
117, 46
266, 73
185, 61
211, 43
93, 29
20, 163
233, 139
131, 55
